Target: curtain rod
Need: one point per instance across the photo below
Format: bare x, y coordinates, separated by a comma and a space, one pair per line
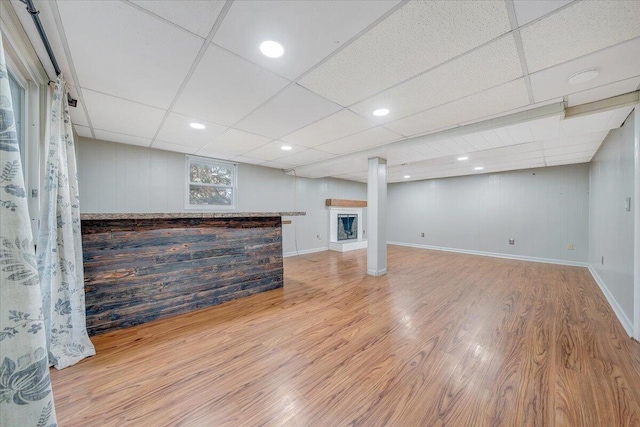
45, 40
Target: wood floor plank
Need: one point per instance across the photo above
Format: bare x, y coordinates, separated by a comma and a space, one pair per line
443, 339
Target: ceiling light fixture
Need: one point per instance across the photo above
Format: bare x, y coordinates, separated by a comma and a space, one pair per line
584, 76
198, 126
286, 148
271, 49
463, 158
380, 112
407, 176
478, 168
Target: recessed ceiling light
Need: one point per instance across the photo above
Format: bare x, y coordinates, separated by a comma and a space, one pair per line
584, 76
271, 49
198, 126
407, 176
286, 148
463, 158
478, 168
380, 112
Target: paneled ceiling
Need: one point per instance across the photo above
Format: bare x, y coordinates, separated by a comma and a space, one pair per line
488, 81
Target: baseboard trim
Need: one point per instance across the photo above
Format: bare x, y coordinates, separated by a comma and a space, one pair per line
624, 320
377, 272
304, 252
493, 254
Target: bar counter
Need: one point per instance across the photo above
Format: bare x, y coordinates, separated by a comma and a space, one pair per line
140, 267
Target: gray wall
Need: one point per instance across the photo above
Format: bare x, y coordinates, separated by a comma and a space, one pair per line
611, 227
544, 210
125, 178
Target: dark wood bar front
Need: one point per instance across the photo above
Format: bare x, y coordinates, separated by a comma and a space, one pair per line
142, 267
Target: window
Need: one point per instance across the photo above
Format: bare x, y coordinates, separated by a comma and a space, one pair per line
17, 98
211, 184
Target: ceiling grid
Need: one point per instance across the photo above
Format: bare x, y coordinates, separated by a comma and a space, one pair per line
440, 68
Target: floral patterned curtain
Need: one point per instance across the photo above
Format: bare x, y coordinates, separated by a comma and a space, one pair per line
59, 250
26, 398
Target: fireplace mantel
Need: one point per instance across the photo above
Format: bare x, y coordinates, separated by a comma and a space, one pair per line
345, 203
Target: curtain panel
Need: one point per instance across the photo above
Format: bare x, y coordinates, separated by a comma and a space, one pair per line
26, 398
59, 249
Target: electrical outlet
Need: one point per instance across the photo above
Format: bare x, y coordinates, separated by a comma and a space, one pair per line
421, 234
570, 246
512, 241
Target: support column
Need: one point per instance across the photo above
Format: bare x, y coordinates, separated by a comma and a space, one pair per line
377, 217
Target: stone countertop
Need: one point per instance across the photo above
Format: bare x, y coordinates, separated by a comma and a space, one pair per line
108, 216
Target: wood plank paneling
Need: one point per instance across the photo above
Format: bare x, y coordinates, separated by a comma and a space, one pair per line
142, 270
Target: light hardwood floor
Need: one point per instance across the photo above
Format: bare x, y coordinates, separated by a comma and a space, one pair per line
443, 339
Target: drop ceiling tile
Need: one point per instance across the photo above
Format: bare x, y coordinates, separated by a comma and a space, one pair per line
195, 16
178, 148
615, 63
530, 10
496, 139
276, 165
176, 130
522, 158
273, 151
142, 59
121, 138
398, 156
571, 161
572, 149
308, 30
360, 141
579, 29
350, 166
394, 50
606, 91
545, 128
475, 107
349, 177
83, 131
224, 88
247, 160
477, 141
236, 142
492, 65
583, 138
618, 117
214, 154
292, 109
427, 151
519, 133
122, 116
497, 155
78, 116
590, 123
587, 154
338, 125
450, 147
463, 142
305, 157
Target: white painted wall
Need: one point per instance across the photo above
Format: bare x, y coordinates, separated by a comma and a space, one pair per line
611, 227
544, 210
125, 178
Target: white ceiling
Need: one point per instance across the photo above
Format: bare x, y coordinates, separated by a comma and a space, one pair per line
143, 70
